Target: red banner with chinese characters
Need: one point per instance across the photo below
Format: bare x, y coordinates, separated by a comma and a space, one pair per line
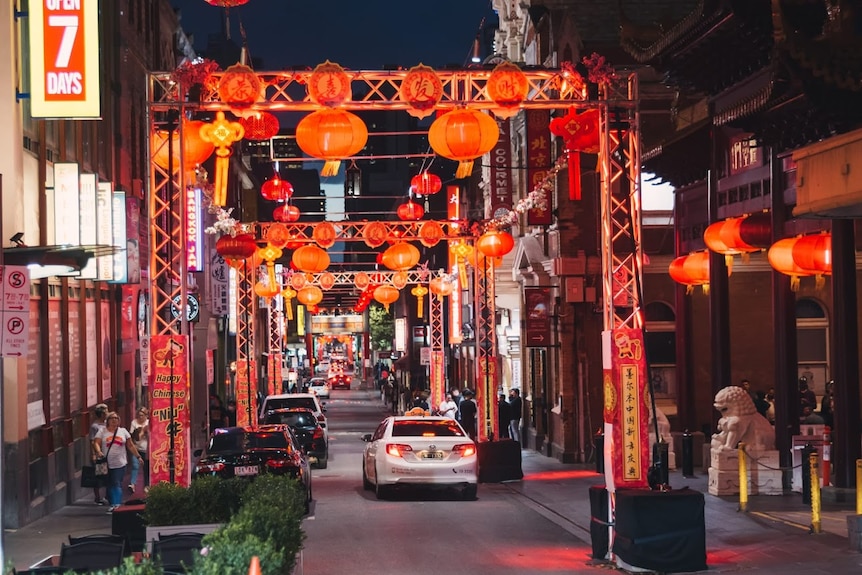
438, 383
246, 394
538, 162
169, 408
626, 408
273, 371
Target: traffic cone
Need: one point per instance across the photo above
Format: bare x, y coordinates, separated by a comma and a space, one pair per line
254, 567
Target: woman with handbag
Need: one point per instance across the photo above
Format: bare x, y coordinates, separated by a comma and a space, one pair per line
140, 429
114, 436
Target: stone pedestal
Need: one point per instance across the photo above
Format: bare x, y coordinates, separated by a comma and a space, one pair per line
764, 473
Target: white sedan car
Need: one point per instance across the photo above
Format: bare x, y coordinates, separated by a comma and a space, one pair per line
319, 386
420, 451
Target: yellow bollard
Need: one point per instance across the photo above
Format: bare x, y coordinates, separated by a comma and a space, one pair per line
815, 492
859, 487
743, 479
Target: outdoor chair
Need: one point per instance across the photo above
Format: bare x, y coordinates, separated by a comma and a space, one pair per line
103, 537
177, 550
92, 555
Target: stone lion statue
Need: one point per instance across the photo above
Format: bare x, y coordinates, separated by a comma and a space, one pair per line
740, 422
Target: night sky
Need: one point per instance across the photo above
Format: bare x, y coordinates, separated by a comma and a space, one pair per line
357, 34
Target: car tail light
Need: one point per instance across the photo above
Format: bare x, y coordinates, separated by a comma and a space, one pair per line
397, 449
321, 418
279, 463
465, 449
209, 467
318, 433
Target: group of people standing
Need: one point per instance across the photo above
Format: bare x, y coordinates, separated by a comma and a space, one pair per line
462, 407
112, 442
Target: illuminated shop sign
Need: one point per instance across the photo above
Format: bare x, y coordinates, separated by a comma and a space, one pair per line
87, 217
194, 239
105, 229
67, 231
64, 58
118, 212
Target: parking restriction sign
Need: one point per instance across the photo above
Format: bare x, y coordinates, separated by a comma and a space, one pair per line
14, 310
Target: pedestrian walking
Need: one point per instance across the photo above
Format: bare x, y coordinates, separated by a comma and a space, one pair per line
112, 443
468, 410
516, 407
101, 412
140, 431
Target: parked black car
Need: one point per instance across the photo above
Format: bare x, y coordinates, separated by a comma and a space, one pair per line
247, 452
307, 429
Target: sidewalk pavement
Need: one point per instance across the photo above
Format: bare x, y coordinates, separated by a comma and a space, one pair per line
771, 537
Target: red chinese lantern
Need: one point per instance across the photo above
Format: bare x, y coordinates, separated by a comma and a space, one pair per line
410, 211
276, 190
580, 132
259, 126
507, 87
195, 149
236, 249
441, 287
309, 296
400, 257
332, 135
691, 270
780, 256
426, 184
286, 213
814, 253
310, 259
495, 244
386, 294
743, 236
463, 135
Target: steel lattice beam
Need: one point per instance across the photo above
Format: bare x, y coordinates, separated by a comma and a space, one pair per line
245, 313
347, 231
437, 372
486, 349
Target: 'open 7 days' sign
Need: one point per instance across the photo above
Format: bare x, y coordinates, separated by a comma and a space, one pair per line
64, 58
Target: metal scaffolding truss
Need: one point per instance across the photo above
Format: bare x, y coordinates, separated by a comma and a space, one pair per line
373, 277
379, 90
347, 231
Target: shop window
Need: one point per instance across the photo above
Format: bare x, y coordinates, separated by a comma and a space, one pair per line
812, 344
660, 340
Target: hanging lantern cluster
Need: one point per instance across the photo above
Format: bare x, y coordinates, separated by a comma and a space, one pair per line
739, 236
463, 135
692, 270
803, 256
331, 135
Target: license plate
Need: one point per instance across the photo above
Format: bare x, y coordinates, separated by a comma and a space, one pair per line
243, 470
432, 455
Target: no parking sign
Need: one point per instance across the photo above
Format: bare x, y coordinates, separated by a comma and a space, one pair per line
14, 310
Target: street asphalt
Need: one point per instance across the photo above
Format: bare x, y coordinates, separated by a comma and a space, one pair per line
772, 536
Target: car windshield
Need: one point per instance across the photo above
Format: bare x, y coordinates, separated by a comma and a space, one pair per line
301, 419
237, 442
430, 428
281, 403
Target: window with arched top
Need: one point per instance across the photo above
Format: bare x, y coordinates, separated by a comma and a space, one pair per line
812, 344
660, 338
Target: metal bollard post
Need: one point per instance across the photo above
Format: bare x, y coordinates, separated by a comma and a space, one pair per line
806, 476
599, 448
859, 487
687, 454
743, 479
815, 492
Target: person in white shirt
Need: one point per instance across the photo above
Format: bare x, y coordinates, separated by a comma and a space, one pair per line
112, 443
448, 408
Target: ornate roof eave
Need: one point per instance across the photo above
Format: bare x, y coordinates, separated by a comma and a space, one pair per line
707, 15
683, 158
745, 99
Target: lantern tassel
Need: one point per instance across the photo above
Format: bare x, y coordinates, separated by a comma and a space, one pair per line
288, 309
728, 261
464, 169
794, 283
462, 270
574, 158
330, 168
220, 184
705, 288
419, 309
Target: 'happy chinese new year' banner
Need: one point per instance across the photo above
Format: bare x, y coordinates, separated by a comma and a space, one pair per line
246, 394
169, 408
626, 408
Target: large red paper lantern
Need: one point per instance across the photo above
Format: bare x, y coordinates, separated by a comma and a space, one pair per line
386, 294
743, 236
195, 149
400, 257
226, 3
286, 213
276, 190
236, 249
463, 135
332, 135
495, 244
239, 86
814, 253
691, 270
410, 211
441, 287
426, 184
259, 126
309, 296
310, 259
780, 256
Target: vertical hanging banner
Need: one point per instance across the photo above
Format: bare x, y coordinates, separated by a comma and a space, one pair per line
501, 172
626, 409
538, 162
246, 393
537, 323
273, 371
169, 408
64, 58
486, 396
